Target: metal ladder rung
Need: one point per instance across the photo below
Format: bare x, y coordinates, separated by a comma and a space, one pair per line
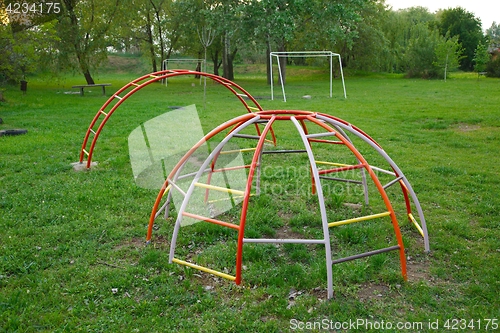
204, 269
247, 136
292, 151
85, 152
176, 187
352, 181
419, 228
333, 163
358, 219
214, 221
118, 97
326, 141
91, 130
366, 254
238, 167
284, 240
392, 182
319, 135
218, 188
243, 150
104, 113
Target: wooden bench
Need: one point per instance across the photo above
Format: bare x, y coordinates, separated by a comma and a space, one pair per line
103, 85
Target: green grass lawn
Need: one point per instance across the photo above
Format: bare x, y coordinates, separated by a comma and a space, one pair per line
73, 255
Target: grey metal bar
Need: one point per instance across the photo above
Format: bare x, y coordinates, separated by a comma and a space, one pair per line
284, 240
284, 151
247, 136
366, 254
392, 182
342, 180
192, 174
319, 135
321, 202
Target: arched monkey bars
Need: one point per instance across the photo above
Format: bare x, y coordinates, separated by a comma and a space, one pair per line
114, 102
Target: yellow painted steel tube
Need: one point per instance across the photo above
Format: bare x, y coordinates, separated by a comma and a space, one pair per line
218, 188
412, 219
167, 189
358, 219
204, 269
334, 164
243, 150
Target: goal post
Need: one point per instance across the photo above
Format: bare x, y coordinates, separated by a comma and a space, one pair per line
304, 54
166, 62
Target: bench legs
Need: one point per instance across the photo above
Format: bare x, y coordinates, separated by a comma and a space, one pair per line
103, 91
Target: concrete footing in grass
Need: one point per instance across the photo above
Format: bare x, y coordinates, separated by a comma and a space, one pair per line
82, 166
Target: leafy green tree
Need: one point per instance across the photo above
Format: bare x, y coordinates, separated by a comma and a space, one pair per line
84, 31
461, 23
371, 47
481, 58
448, 53
26, 44
493, 34
271, 23
401, 28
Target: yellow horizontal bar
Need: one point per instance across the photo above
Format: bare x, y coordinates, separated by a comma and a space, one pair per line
166, 190
334, 164
253, 108
221, 189
412, 219
237, 151
204, 269
359, 219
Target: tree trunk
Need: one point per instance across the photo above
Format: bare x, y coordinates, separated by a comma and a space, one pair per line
151, 44
215, 60
88, 77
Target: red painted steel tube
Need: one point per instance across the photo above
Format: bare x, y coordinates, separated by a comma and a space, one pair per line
214, 221
244, 207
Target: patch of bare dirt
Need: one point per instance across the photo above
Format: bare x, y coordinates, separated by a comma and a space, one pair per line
372, 291
463, 127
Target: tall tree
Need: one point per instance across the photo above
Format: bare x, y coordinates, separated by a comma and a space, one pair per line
493, 34
272, 24
84, 30
459, 22
25, 40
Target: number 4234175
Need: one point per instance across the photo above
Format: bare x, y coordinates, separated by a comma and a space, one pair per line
33, 8
478, 324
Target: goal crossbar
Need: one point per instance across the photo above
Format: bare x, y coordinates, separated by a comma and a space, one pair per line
303, 54
165, 62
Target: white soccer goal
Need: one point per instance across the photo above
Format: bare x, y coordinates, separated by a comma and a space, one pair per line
166, 62
303, 54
